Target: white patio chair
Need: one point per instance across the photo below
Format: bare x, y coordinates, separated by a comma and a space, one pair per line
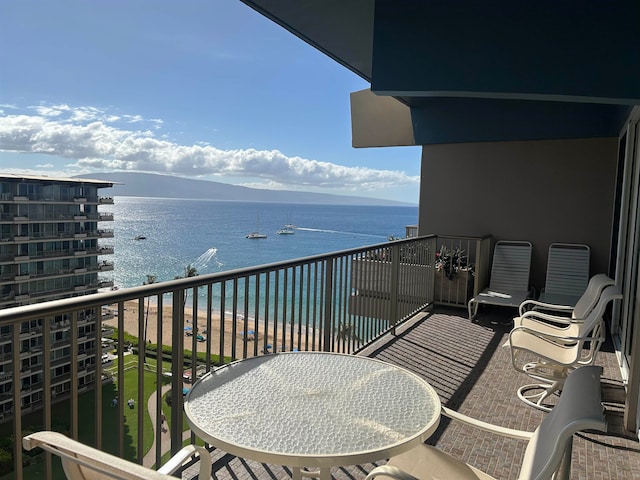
583, 306
81, 462
540, 316
548, 353
509, 281
567, 273
548, 453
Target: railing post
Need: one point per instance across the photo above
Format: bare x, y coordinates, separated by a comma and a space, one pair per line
328, 305
395, 274
177, 351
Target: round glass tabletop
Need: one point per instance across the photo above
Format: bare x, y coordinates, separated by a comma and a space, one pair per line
312, 409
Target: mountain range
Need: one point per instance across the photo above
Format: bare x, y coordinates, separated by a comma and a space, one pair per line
133, 184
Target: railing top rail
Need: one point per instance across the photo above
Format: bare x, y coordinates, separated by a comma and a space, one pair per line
463, 237
54, 307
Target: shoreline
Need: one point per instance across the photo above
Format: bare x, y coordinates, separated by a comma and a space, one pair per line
130, 324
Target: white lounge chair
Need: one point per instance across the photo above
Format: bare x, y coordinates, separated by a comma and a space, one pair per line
81, 462
509, 282
548, 353
549, 449
533, 312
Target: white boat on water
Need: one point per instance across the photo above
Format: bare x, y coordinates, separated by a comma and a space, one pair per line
286, 231
256, 235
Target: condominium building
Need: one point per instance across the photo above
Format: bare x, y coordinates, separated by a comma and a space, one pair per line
51, 247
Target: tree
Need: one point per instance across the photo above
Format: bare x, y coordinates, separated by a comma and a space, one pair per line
189, 271
150, 279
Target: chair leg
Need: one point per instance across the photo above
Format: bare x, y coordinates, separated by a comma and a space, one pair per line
535, 394
473, 309
551, 378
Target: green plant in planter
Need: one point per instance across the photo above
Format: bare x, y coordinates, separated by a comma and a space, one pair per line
451, 261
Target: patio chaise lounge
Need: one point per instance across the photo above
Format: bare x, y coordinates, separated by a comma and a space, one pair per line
548, 451
509, 282
567, 273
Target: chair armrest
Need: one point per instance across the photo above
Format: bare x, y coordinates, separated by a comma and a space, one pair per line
529, 305
488, 427
390, 471
546, 317
175, 462
558, 339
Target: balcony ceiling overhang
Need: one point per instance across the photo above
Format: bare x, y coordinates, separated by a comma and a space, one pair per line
571, 65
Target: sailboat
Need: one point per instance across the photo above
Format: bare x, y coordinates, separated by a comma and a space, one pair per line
256, 234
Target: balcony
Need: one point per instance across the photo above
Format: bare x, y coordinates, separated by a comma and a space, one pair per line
305, 305
103, 233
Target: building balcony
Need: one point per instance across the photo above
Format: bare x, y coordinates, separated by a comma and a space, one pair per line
304, 305
102, 233
105, 266
105, 200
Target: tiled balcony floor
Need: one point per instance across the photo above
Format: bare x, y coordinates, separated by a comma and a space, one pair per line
472, 372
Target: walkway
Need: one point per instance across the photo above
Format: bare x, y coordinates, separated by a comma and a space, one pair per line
149, 459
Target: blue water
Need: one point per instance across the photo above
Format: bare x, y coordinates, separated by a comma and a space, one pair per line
210, 235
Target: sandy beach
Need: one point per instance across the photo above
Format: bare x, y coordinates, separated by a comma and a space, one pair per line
131, 327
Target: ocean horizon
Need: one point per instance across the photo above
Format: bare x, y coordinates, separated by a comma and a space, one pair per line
210, 234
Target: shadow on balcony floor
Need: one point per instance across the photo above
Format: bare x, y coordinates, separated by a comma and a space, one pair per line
471, 370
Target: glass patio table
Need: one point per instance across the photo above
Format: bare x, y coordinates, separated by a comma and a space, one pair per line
312, 410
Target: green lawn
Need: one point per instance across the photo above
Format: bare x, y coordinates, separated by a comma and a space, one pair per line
110, 438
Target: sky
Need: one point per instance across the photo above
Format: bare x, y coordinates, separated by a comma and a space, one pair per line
205, 89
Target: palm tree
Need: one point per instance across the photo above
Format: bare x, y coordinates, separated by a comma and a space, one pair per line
150, 279
189, 271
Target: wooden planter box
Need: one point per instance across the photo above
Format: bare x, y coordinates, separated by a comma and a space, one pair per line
456, 291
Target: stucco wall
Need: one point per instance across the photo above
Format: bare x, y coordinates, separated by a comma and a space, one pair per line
542, 191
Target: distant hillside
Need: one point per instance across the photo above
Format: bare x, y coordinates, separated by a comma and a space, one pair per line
152, 185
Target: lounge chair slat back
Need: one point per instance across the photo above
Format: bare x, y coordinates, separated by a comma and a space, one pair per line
567, 272
511, 266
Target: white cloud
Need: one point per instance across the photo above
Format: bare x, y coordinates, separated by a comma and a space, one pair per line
86, 136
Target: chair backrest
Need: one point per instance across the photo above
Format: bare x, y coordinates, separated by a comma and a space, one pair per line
579, 408
594, 318
82, 462
567, 269
511, 266
590, 297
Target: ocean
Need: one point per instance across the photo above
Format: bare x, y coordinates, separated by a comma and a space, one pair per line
210, 234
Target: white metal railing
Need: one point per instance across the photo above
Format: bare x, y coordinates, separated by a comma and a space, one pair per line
337, 302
